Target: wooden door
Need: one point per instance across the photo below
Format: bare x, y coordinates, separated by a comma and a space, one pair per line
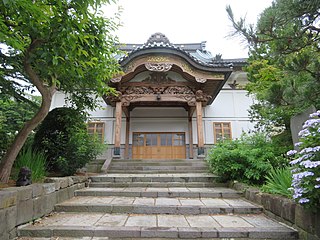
163, 145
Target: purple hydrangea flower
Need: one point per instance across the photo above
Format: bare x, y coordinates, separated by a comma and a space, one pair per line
304, 200
315, 114
291, 152
311, 123
310, 164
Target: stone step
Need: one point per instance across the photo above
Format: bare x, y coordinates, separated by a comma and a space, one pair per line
157, 171
93, 168
158, 160
153, 177
151, 226
166, 168
202, 163
139, 205
161, 192
157, 184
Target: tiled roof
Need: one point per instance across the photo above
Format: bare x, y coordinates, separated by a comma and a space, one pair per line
195, 51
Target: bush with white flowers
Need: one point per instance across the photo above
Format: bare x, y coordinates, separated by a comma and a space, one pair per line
306, 164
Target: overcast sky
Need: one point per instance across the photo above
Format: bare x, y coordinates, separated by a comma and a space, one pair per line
187, 21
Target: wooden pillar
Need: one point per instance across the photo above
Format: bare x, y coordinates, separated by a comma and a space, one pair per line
190, 113
126, 152
200, 128
118, 129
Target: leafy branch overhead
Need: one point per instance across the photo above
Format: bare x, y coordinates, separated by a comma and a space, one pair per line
55, 45
284, 59
66, 45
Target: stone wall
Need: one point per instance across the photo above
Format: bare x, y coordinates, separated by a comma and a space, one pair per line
284, 210
296, 123
19, 205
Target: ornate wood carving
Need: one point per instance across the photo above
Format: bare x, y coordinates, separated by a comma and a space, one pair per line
158, 59
115, 98
178, 90
201, 80
158, 67
138, 90
201, 96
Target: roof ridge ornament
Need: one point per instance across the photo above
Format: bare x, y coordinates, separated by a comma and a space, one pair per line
158, 38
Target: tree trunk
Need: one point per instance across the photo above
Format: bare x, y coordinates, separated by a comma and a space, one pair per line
10, 156
46, 93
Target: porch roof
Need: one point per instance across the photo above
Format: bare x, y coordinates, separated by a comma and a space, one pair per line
196, 52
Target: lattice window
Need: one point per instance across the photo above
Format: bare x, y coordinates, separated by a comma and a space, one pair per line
222, 131
96, 128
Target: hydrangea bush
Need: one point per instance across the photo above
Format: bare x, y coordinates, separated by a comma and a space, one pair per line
306, 164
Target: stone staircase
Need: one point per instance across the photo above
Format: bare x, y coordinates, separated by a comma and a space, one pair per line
157, 199
95, 165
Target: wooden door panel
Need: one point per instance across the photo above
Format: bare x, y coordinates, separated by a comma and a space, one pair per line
159, 146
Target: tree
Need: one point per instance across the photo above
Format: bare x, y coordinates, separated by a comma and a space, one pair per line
64, 139
54, 45
13, 114
284, 60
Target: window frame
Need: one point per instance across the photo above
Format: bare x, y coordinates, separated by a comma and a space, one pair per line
222, 130
95, 128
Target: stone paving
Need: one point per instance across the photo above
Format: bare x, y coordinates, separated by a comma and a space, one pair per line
160, 212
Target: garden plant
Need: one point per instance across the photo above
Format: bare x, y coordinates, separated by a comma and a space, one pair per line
306, 164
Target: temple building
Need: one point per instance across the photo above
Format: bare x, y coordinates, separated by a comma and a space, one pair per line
174, 101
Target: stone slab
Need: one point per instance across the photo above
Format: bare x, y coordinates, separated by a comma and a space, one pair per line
172, 221
232, 220
142, 221
201, 221
7, 198
112, 220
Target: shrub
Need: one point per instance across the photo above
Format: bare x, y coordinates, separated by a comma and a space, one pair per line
34, 160
278, 181
306, 164
247, 159
63, 137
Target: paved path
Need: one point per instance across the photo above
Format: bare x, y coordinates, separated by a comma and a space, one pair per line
128, 206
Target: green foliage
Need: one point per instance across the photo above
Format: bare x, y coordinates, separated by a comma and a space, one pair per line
63, 137
247, 159
13, 114
284, 60
69, 44
306, 164
55, 45
278, 181
34, 160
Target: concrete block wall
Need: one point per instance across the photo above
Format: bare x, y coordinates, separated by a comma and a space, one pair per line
20, 205
306, 221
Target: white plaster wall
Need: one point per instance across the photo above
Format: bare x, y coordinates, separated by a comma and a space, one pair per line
229, 106
158, 120
58, 100
103, 113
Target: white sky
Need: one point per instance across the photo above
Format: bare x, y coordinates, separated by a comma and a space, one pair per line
187, 21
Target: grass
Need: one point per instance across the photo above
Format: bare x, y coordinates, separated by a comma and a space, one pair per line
279, 182
36, 161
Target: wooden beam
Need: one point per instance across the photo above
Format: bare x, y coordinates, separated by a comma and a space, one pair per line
199, 125
118, 128
126, 152
126, 111
191, 111
190, 137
